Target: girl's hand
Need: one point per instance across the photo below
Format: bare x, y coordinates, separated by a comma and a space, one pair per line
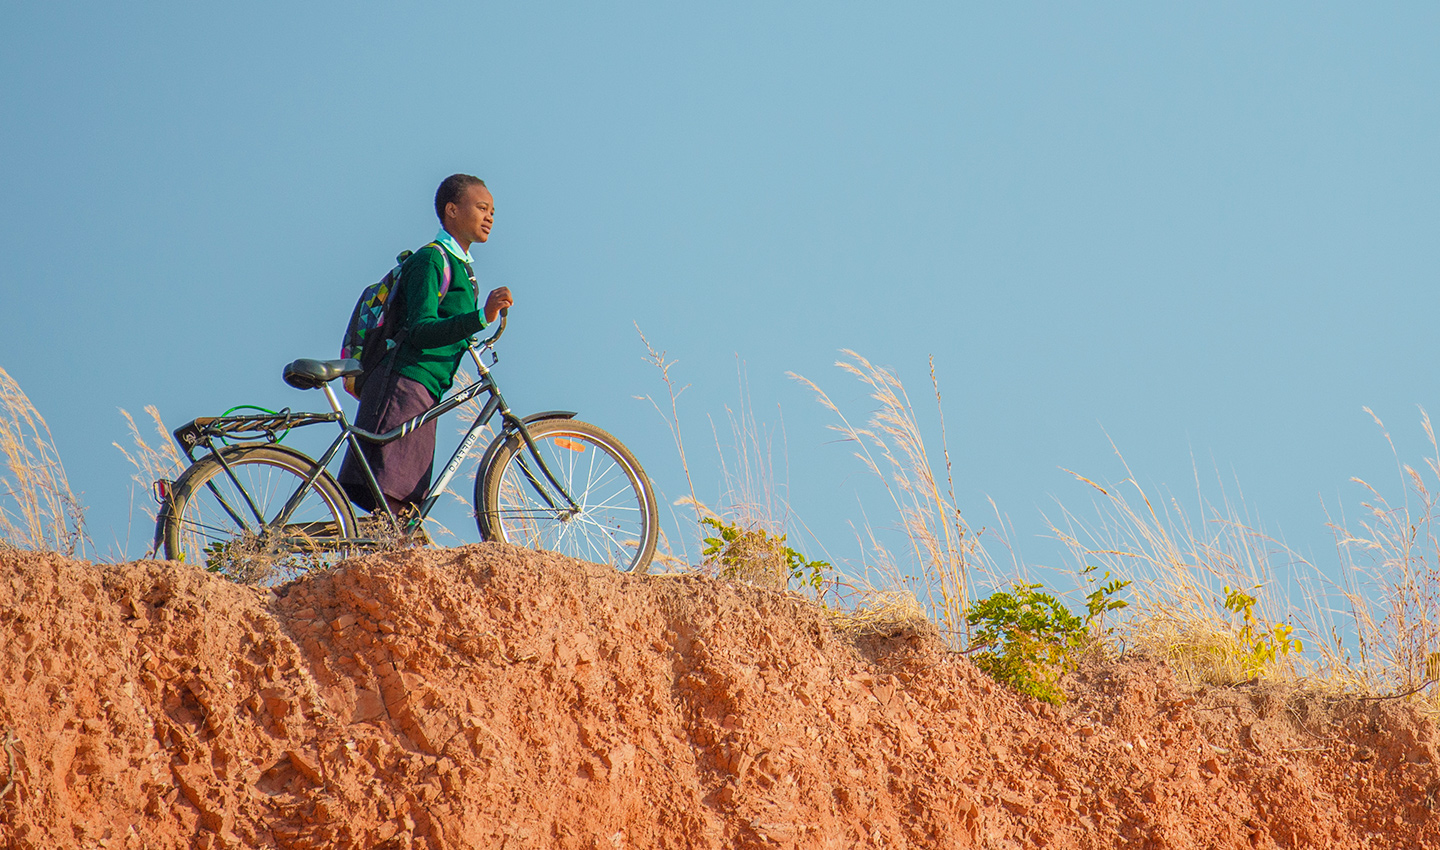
498, 299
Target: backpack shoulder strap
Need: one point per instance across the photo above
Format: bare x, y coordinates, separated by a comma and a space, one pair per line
446, 273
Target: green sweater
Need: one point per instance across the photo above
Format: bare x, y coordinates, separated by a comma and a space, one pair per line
436, 329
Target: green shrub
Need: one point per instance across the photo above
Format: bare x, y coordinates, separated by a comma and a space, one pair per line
756, 555
1029, 639
1261, 644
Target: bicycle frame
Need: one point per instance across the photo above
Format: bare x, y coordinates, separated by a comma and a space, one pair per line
510, 423
204, 431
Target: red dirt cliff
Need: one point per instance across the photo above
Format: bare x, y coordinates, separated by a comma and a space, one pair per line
495, 697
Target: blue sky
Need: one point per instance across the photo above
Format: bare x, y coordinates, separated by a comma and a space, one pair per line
1205, 233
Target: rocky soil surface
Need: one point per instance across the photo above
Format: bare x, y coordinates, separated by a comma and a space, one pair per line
495, 697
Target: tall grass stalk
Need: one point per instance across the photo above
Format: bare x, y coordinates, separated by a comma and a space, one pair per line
672, 420
946, 554
1391, 561
40, 511
152, 463
750, 495
664, 552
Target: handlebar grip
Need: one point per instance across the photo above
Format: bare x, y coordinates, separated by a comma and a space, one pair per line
490, 340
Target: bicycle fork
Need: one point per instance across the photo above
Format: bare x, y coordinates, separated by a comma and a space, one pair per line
511, 425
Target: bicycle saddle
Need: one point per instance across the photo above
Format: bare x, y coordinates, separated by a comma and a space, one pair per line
307, 374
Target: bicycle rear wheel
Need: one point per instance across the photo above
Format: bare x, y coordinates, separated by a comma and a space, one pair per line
616, 522
228, 524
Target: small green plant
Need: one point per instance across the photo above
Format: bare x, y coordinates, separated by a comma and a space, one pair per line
1261, 644
756, 555
1030, 639
1101, 600
243, 559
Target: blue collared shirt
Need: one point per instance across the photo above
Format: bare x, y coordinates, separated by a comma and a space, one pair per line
448, 243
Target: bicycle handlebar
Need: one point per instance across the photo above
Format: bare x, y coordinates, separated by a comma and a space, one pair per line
478, 348
487, 343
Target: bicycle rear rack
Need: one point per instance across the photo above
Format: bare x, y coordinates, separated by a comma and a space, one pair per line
269, 427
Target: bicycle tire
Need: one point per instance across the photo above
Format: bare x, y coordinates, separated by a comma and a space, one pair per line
617, 523
200, 528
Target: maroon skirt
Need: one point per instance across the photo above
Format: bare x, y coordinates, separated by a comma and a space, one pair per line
402, 467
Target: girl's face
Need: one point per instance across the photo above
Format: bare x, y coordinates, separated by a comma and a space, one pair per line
470, 217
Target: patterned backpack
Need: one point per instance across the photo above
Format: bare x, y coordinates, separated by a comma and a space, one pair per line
367, 338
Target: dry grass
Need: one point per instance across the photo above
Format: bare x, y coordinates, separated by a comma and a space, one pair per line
665, 550
751, 495
1202, 652
248, 559
152, 463
672, 420
40, 511
1376, 630
1182, 560
1391, 564
945, 553
891, 613
1180, 565
751, 501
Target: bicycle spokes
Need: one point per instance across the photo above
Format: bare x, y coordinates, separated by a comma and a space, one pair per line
608, 523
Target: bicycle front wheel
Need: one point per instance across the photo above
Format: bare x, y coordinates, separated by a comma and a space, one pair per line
228, 521
615, 521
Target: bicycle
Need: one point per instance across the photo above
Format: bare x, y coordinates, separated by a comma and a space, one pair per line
257, 510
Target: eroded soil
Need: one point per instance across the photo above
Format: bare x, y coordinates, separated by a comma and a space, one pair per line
495, 697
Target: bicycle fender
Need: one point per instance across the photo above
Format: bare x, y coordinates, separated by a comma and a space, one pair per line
506, 432
236, 447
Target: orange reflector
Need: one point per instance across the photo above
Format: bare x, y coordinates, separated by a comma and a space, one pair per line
569, 444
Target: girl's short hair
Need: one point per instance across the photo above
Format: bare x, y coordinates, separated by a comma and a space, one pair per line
451, 188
